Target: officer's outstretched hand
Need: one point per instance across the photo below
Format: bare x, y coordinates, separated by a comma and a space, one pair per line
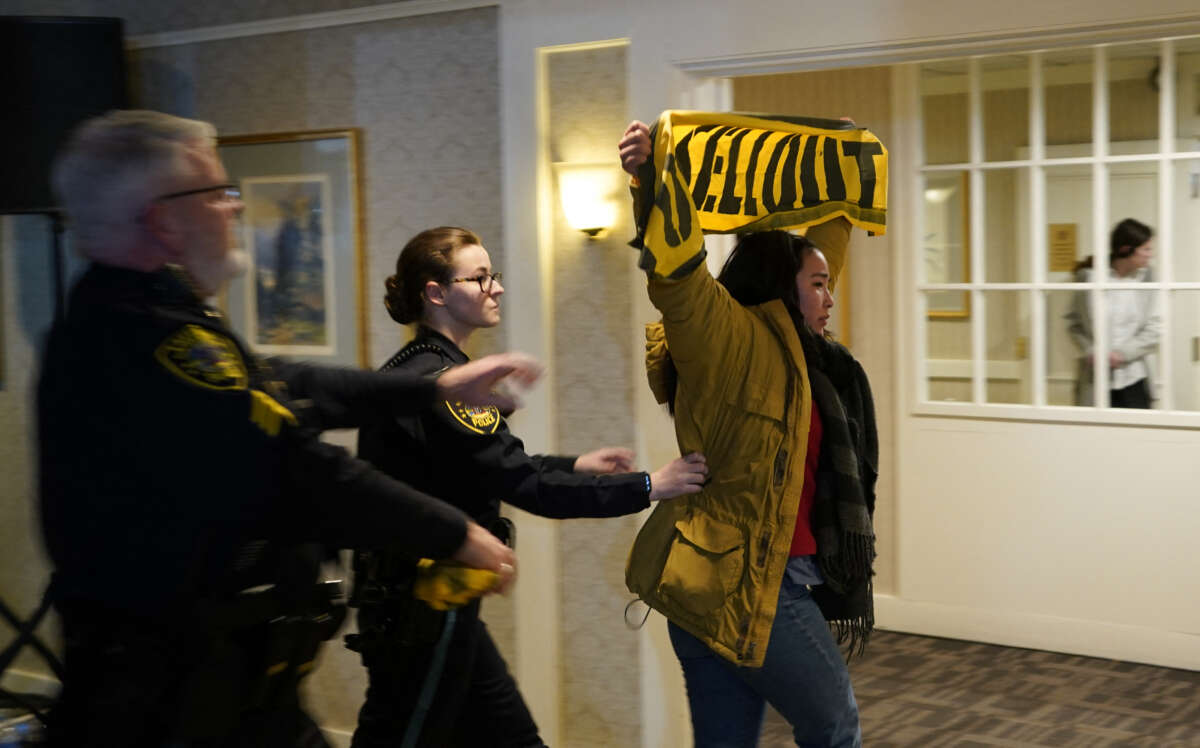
492, 380
484, 550
634, 147
679, 476
605, 460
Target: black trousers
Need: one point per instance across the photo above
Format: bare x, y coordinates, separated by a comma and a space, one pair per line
476, 702
1136, 395
134, 684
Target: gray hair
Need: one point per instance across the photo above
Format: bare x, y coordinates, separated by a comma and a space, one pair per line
114, 165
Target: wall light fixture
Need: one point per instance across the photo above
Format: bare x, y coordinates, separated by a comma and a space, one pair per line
588, 194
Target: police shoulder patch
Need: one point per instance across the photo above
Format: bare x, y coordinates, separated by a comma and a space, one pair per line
204, 358
474, 419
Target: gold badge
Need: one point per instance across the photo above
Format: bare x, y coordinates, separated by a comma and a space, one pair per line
203, 357
479, 420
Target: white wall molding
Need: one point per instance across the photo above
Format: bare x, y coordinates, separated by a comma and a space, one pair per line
1176, 649
1163, 420
956, 45
385, 12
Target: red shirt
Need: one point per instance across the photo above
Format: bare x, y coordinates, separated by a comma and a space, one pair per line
803, 542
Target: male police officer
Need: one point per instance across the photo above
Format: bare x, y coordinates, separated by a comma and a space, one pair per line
178, 479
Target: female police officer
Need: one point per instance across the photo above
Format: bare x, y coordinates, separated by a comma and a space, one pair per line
444, 282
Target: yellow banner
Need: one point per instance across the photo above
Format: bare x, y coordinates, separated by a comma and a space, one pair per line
723, 173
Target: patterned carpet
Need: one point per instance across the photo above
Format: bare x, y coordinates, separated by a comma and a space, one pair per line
927, 692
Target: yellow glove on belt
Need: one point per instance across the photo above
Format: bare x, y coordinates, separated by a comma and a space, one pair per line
444, 585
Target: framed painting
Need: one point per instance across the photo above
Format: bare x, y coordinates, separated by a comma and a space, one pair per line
302, 233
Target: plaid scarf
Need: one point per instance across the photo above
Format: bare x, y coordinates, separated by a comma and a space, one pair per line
845, 497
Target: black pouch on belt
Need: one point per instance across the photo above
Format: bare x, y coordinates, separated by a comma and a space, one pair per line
504, 529
292, 642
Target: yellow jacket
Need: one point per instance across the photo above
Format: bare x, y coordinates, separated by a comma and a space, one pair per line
713, 562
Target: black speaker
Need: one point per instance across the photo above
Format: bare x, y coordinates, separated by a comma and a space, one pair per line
57, 71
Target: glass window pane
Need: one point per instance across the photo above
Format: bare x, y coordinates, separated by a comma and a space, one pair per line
1064, 348
1006, 207
1187, 94
1185, 349
947, 243
1005, 82
1134, 330
1007, 347
1068, 97
948, 365
1133, 84
1069, 220
1132, 193
944, 111
1185, 249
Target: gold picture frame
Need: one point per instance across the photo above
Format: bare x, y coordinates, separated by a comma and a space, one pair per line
302, 230
947, 243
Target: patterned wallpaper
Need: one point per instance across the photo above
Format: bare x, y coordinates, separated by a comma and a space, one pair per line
593, 404
175, 15
425, 92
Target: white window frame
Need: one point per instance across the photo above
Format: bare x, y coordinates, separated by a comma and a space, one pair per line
905, 183
1035, 243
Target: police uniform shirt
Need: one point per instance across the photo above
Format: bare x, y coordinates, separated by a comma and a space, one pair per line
469, 457
165, 452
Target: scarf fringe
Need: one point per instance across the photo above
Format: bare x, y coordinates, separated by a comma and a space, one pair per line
851, 563
853, 634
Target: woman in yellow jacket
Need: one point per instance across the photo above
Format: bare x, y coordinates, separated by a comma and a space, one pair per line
754, 571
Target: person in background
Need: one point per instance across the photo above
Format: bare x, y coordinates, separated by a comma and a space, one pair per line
1134, 324
184, 498
436, 677
778, 547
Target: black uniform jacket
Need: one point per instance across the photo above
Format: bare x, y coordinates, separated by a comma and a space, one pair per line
469, 457
169, 454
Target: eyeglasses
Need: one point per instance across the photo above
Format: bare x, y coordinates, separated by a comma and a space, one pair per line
228, 192
485, 278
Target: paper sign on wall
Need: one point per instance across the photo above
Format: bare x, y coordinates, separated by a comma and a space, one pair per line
1062, 247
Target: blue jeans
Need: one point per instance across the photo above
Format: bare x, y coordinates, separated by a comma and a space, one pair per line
803, 676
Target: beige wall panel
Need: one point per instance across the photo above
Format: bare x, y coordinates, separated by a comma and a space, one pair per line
593, 403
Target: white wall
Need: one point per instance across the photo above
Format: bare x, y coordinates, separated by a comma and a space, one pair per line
1066, 537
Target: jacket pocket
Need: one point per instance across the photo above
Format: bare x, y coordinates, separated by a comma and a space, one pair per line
704, 564
757, 399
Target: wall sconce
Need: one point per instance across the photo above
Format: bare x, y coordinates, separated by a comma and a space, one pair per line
587, 192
